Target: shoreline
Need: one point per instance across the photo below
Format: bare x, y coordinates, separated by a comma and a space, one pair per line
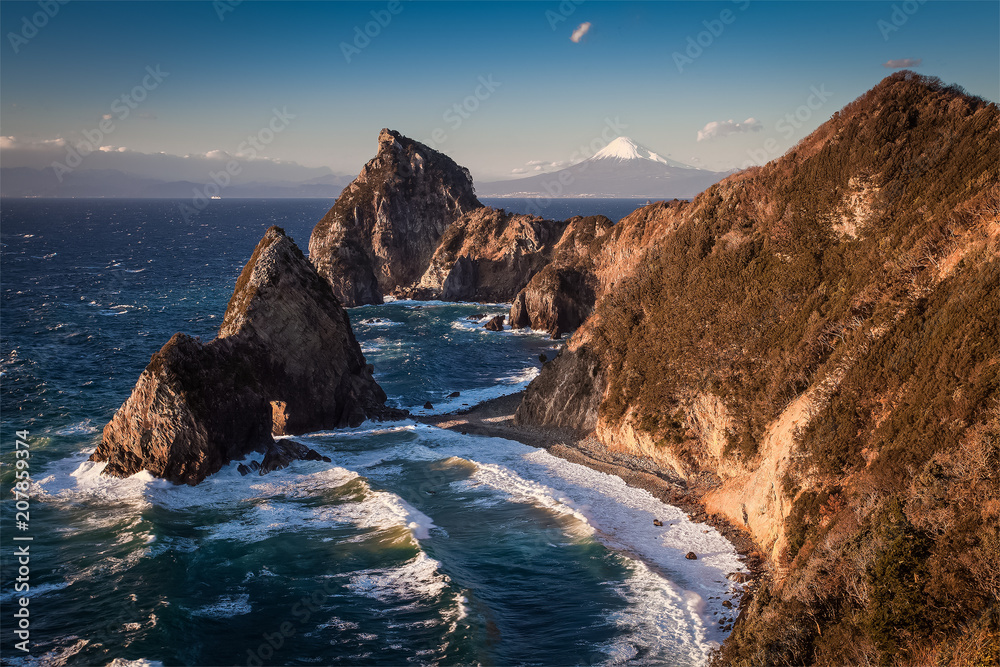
495, 418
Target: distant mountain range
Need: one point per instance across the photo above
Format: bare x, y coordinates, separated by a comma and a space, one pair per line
28, 182
623, 169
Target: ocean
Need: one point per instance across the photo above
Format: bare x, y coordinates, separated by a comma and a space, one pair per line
414, 546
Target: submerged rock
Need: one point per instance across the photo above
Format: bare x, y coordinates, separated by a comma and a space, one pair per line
691, 555
285, 361
383, 229
282, 452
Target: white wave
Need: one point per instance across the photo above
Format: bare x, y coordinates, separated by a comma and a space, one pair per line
416, 521
417, 580
619, 516
140, 662
505, 385
478, 325
80, 428
524, 490
338, 624
378, 322
226, 606
57, 657
33, 591
656, 623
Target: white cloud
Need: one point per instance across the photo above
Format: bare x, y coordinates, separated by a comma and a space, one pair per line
542, 166
13, 143
580, 31
903, 62
721, 128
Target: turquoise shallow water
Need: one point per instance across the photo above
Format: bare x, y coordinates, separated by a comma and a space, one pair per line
414, 546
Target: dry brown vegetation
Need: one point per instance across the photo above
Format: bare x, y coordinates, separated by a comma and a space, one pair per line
759, 292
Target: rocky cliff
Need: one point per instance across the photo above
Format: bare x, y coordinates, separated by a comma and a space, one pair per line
819, 336
561, 296
285, 361
490, 255
384, 227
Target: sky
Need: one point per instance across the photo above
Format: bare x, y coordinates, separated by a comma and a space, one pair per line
503, 88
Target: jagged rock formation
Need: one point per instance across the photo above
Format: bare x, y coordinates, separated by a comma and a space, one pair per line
489, 255
412, 214
820, 337
567, 394
278, 455
495, 324
561, 296
281, 453
285, 360
384, 227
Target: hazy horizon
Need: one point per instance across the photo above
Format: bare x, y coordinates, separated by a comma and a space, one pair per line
505, 89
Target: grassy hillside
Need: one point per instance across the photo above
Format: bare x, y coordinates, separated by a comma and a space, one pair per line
863, 267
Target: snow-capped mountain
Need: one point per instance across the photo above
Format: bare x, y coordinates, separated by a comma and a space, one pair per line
623, 149
623, 169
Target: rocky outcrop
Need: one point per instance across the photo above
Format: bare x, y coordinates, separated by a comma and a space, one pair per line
285, 361
490, 255
494, 324
781, 343
567, 393
556, 300
561, 296
281, 453
384, 227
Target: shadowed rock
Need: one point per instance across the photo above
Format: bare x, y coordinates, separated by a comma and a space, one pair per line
282, 452
285, 358
561, 296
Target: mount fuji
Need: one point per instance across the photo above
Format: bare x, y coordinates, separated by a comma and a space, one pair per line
622, 169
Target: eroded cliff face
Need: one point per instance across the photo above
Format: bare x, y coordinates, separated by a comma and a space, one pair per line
787, 334
383, 229
567, 393
285, 361
561, 296
490, 255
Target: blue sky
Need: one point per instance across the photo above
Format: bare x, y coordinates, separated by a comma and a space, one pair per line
548, 95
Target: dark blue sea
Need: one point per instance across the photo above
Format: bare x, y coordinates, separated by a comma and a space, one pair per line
414, 546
